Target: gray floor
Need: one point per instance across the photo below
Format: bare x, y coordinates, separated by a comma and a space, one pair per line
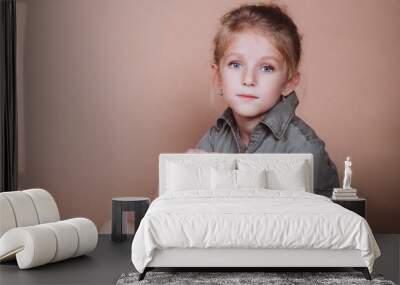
110, 259
389, 262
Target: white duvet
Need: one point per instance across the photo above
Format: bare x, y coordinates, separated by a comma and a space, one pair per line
250, 218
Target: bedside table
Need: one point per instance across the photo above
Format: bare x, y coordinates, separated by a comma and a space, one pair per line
358, 205
138, 205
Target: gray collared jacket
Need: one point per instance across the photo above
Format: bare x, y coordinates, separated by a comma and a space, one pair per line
280, 131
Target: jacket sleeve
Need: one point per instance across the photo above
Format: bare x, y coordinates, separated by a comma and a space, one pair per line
325, 171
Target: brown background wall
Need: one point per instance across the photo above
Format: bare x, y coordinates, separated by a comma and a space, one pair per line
105, 86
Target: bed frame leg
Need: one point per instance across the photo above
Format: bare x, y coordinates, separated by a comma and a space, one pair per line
364, 271
143, 274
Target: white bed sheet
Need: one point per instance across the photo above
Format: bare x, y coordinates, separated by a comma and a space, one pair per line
250, 218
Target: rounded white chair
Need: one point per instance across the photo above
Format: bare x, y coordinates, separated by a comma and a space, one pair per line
31, 231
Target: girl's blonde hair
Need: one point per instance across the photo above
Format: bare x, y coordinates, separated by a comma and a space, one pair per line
269, 19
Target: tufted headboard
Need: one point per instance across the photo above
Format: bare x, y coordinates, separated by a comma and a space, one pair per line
231, 160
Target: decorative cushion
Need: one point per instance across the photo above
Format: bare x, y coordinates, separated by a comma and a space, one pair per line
171, 178
228, 179
281, 174
290, 179
251, 178
181, 177
223, 179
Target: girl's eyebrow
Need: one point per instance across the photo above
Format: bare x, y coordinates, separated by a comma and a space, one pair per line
264, 57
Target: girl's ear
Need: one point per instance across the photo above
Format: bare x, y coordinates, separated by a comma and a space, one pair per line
216, 75
291, 84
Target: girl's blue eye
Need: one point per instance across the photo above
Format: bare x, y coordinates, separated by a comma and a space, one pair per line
234, 64
267, 67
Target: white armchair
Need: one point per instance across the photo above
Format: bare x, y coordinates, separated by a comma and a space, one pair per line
31, 230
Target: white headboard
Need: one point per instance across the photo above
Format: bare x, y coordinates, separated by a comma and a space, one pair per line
231, 158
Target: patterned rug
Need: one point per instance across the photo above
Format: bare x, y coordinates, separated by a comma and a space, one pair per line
273, 278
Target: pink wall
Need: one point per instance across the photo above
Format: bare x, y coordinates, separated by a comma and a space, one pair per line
105, 86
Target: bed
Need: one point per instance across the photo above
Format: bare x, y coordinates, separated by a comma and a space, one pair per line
247, 210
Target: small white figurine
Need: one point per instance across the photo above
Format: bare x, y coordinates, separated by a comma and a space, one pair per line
347, 174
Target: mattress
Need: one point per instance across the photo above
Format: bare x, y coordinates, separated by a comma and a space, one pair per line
250, 218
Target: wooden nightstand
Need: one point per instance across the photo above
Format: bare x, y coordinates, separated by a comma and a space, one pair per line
358, 205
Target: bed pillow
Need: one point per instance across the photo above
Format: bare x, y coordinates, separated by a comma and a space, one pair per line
223, 179
280, 174
188, 177
290, 179
237, 179
251, 178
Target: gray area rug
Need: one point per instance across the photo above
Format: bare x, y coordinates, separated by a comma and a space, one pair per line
228, 278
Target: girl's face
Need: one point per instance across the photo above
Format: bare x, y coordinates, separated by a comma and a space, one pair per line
252, 74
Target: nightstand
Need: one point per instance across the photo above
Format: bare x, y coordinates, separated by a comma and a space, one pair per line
358, 205
138, 205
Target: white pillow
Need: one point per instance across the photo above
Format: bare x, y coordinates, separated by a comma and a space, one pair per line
223, 179
251, 178
282, 174
290, 179
188, 177
236, 179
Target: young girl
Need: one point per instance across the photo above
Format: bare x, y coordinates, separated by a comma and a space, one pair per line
257, 52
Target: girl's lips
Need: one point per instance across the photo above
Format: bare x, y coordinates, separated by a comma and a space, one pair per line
247, 96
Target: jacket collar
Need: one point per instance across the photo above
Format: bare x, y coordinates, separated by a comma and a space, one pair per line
277, 119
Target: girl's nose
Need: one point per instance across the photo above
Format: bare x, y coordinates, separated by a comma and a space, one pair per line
249, 79
245, 83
